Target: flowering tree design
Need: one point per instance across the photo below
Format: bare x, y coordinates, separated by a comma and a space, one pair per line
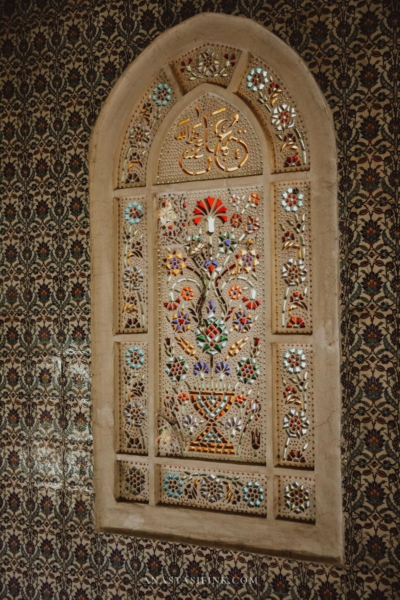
211, 305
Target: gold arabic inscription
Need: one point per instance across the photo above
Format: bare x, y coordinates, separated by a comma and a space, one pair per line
214, 138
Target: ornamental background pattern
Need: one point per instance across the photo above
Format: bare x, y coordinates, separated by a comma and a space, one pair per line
59, 61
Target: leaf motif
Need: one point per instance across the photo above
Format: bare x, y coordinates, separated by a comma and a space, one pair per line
187, 347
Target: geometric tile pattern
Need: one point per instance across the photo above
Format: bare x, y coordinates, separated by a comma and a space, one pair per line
296, 498
76, 51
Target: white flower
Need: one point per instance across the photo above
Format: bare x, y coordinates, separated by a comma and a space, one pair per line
256, 79
292, 199
190, 422
294, 360
234, 424
283, 117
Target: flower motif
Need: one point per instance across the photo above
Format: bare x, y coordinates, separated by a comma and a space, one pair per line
283, 117
253, 409
133, 212
236, 220
295, 456
222, 368
187, 293
294, 360
212, 488
183, 397
234, 424
212, 338
255, 199
208, 63
295, 323
247, 370
253, 494
297, 497
257, 79
253, 224
162, 94
174, 262
211, 307
242, 322
251, 303
211, 209
134, 357
133, 278
176, 368
180, 322
190, 422
255, 439
173, 485
211, 265
240, 399
140, 135
227, 243
201, 368
134, 414
235, 199
292, 199
247, 260
294, 271
288, 236
296, 423
235, 292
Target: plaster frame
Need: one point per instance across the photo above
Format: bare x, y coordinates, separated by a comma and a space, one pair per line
324, 540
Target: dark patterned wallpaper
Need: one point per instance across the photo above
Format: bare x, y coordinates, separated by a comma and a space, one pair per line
59, 60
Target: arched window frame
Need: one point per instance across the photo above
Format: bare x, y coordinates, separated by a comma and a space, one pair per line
323, 538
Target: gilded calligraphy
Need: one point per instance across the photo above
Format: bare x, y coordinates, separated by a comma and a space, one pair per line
215, 138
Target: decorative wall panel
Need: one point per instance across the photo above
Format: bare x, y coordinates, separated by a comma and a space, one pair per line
216, 489
211, 63
277, 109
133, 397
133, 481
156, 103
132, 265
296, 498
211, 286
210, 139
293, 260
294, 402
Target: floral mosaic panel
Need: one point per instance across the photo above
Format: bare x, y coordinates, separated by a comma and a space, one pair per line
296, 498
157, 101
211, 286
211, 63
133, 397
294, 401
132, 265
277, 109
210, 139
293, 267
133, 481
216, 490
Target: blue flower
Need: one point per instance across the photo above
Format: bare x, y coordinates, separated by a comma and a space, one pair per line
173, 485
134, 357
162, 94
133, 212
223, 368
201, 368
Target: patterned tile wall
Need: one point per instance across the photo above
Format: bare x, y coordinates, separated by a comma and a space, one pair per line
59, 61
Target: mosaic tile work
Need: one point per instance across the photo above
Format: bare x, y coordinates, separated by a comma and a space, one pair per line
132, 268
277, 110
133, 397
296, 498
207, 64
210, 139
293, 259
211, 264
133, 481
157, 101
294, 405
216, 489
351, 48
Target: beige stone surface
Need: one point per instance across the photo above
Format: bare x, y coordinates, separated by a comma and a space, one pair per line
324, 539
